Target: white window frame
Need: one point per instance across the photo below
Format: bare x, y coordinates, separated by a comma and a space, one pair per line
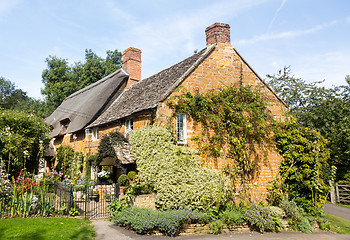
181, 128
129, 126
88, 133
95, 134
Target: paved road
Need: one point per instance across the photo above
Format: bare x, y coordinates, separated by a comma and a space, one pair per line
337, 211
108, 231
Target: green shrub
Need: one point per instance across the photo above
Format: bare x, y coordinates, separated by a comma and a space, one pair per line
139, 189
260, 218
123, 180
304, 170
146, 220
117, 205
304, 225
323, 224
277, 212
176, 173
292, 210
216, 226
233, 217
131, 175
297, 216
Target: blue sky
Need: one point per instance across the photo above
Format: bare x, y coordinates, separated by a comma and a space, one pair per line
311, 36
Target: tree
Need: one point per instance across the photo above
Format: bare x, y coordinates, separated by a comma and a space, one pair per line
61, 80
10, 96
326, 110
22, 140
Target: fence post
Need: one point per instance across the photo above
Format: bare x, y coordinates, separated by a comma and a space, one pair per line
337, 191
86, 198
117, 191
332, 192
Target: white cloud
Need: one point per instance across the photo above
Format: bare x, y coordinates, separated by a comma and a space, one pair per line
287, 34
275, 15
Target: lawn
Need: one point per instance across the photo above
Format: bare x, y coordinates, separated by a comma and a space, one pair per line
339, 225
46, 228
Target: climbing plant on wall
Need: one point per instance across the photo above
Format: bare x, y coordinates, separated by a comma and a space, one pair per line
304, 171
236, 125
106, 149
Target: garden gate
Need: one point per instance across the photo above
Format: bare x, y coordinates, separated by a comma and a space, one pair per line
94, 202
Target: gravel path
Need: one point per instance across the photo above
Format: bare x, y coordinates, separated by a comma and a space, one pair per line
337, 211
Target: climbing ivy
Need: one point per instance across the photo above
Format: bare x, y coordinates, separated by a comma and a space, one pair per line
304, 171
236, 126
106, 149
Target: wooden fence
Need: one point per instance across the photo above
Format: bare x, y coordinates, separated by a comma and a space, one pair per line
340, 193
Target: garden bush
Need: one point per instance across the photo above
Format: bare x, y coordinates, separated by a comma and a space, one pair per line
233, 217
123, 180
146, 220
296, 215
176, 173
216, 226
260, 218
131, 175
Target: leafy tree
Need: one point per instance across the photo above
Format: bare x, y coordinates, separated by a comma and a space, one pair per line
61, 79
326, 110
304, 172
22, 140
10, 96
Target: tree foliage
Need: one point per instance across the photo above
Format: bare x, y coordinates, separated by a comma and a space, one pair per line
10, 96
304, 171
61, 80
326, 110
22, 140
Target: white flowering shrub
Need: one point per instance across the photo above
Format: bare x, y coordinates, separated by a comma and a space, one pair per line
176, 173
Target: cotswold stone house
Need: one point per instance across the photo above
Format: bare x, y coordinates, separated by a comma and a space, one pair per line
123, 102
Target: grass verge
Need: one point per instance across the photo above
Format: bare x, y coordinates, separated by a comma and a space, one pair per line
339, 225
46, 228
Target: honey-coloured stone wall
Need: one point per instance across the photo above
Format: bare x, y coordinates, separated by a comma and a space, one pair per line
223, 67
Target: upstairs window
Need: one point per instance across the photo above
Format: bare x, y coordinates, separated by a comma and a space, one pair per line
181, 133
129, 125
88, 134
95, 134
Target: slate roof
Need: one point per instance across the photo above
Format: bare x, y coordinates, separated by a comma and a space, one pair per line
147, 93
83, 106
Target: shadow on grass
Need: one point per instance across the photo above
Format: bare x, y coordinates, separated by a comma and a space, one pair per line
37, 235
83, 233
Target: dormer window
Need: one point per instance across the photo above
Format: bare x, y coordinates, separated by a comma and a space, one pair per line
64, 125
129, 125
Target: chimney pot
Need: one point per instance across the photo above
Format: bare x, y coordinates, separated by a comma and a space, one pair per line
132, 64
218, 33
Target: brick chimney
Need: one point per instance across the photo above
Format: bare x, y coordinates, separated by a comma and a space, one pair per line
132, 64
218, 33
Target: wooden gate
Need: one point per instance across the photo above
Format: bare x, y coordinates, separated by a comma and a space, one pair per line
343, 193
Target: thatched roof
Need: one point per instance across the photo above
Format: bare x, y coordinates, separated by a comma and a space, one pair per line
85, 105
147, 93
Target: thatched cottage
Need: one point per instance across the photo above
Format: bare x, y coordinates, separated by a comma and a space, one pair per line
123, 102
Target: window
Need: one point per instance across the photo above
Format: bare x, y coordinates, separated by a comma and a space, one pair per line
181, 128
129, 125
95, 134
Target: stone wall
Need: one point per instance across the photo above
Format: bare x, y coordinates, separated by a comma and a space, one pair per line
224, 66
144, 201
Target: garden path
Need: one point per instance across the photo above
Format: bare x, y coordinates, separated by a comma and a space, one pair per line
108, 231
337, 211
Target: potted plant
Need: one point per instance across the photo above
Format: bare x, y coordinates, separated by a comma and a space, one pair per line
131, 176
123, 182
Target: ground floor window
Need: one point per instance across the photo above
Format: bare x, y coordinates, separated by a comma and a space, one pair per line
181, 128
